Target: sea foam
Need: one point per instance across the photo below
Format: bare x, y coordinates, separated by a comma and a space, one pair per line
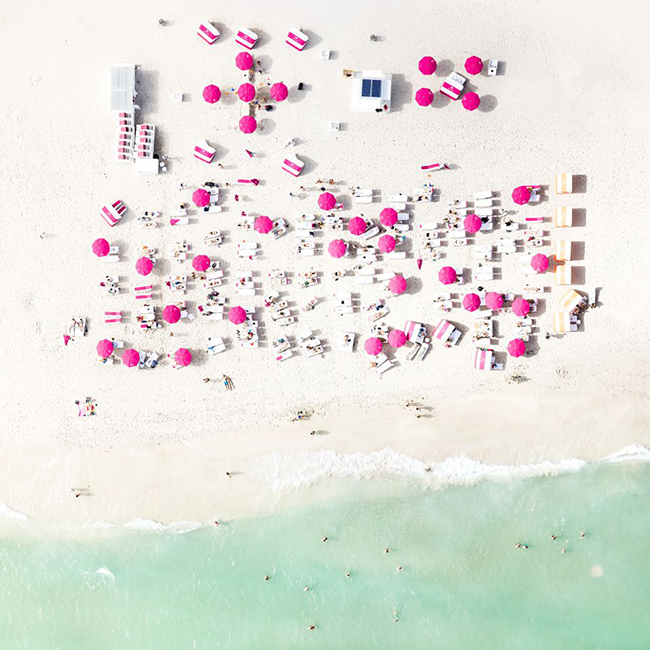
6, 511
176, 527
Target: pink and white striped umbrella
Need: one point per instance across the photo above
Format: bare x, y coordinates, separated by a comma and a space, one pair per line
386, 243
388, 217
373, 346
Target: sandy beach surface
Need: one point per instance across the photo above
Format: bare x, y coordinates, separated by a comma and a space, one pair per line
570, 98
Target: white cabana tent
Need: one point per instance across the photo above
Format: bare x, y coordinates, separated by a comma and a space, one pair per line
123, 91
371, 89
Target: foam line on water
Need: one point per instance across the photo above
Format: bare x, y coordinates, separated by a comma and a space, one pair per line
6, 511
176, 527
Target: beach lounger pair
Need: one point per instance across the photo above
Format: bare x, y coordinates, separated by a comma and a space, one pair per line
383, 363
446, 333
506, 246
419, 351
112, 316
370, 233
346, 341
395, 255
144, 292
215, 346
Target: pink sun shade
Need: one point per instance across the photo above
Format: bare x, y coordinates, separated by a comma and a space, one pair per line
201, 198
246, 92
101, 247
357, 226
471, 301
424, 97
447, 275
236, 315
472, 223
373, 346
171, 314
471, 101
183, 357
397, 284
201, 263
337, 248
279, 92
494, 300
144, 266
263, 225
427, 65
388, 217
105, 348
520, 307
130, 357
386, 243
474, 65
326, 201
521, 195
516, 348
396, 338
248, 124
539, 263
211, 94
244, 61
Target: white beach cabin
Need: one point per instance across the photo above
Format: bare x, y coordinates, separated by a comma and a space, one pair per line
371, 90
123, 91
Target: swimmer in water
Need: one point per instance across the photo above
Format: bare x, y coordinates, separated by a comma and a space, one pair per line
267, 577
387, 550
323, 539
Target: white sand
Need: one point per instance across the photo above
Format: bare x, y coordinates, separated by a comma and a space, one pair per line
571, 100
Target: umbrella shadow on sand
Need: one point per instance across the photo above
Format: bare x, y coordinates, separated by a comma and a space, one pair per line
488, 103
445, 68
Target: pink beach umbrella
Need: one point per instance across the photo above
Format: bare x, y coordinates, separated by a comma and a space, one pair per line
424, 97
357, 226
521, 195
472, 223
427, 65
144, 266
447, 275
396, 338
201, 263
236, 315
246, 92
373, 346
337, 248
386, 243
397, 284
248, 124
279, 92
263, 225
211, 94
105, 348
471, 101
388, 217
101, 247
471, 301
516, 348
539, 263
520, 307
201, 198
474, 65
326, 201
183, 357
130, 357
494, 300
171, 314
244, 61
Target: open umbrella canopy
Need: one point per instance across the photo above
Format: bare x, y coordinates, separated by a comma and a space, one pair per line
183, 357
494, 300
105, 348
326, 201
130, 357
144, 266
520, 307
539, 263
201, 197
386, 243
101, 247
388, 217
427, 65
373, 346
472, 223
424, 97
516, 348
521, 195
474, 65
471, 101
201, 263
211, 94
397, 284
279, 92
244, 61
447, 275
247, 124
171, 314
337, 248
246, 92
396, 338
263, 225
357, 226
471, 301
236, 315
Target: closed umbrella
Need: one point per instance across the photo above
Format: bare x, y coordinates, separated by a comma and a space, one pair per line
279, 92
386, 243
201, 263
396, 338
516, 348
471, 301
388, 217
244, 61
130, 357
494, 300
472, 223
521, 195
373, 346
326, 201
357, 226
201, 198
539, 263
427, 65
263, 225
471, 101
144, 266
183, 357
105, 348
171, 314
236, 315
397, 284
424, 97
211, 94
474, 65
247, 124
520, 307
246, 92
337, 248
447, 275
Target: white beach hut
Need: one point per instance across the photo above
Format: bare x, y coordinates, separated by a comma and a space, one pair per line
371, 90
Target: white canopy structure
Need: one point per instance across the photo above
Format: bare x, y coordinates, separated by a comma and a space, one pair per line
123, 91
371, 89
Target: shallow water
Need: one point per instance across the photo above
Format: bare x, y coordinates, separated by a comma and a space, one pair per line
463, 584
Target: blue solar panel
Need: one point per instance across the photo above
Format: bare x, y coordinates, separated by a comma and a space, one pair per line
370, 88
365, 88
376, 88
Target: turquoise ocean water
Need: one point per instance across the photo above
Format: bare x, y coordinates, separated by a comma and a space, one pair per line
463, 583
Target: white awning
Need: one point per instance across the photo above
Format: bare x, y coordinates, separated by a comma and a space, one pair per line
122, 88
